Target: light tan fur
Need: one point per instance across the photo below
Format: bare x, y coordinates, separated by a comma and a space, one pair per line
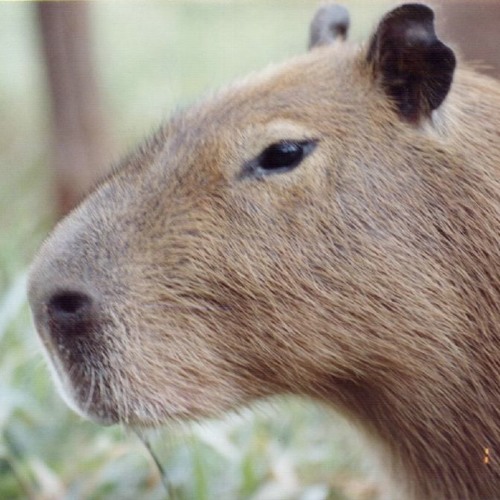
368, 277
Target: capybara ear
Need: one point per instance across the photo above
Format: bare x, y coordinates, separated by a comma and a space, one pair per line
414, 67
330, 23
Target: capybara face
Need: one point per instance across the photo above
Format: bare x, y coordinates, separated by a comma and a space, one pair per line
181, 286
247, 248
263, 241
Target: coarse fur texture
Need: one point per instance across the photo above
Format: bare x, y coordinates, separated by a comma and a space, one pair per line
367, 277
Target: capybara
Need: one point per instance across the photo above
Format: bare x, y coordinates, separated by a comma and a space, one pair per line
329, 228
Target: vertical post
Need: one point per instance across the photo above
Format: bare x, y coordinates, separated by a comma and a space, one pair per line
474, 26
81, 141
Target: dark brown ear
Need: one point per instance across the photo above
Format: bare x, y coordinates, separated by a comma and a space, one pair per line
330, 23
413, 66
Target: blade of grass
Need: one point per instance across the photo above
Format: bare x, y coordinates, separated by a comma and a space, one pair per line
12, 302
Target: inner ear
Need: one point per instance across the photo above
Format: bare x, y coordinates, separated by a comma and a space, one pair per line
414, 67
329, 24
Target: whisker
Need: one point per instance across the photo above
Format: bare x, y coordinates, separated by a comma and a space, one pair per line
88, 402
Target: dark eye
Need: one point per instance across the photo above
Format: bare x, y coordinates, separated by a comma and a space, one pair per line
279, 157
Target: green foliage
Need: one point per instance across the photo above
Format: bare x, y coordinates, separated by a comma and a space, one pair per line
151, 56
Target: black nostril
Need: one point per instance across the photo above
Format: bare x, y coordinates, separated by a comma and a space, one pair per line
70, 313
68, 303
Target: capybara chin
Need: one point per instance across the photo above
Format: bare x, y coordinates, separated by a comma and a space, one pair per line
328, 228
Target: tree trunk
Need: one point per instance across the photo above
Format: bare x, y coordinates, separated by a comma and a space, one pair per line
474, 26
81, 139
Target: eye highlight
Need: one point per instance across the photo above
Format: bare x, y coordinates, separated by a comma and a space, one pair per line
279, 157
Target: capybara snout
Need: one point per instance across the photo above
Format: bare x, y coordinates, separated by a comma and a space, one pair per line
328, 228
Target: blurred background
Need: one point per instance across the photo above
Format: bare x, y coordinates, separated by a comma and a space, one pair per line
80, 84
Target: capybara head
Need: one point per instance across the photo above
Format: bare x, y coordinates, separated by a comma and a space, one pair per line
328, 227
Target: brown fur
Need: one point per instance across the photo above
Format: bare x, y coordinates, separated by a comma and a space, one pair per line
367, 277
